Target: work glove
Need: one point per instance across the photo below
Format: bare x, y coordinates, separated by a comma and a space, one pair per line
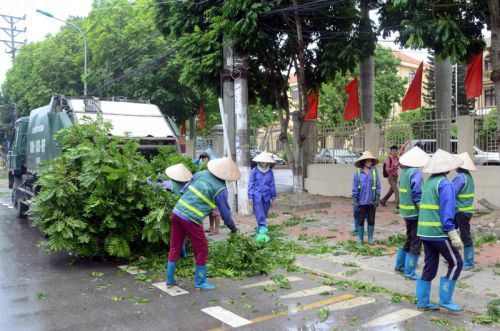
355, 202
167, 185
377, 200
455, 239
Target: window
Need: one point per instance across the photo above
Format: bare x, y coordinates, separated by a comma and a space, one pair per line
489, 97
487, 63
295, 93
411, 75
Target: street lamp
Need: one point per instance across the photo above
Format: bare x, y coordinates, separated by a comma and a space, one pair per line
84, 46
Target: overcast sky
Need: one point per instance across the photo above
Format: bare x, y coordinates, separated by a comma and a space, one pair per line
37, 26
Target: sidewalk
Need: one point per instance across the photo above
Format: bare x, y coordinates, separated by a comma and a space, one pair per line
474, 289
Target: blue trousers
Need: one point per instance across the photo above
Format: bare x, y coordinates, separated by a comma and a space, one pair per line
260, 209
432, 250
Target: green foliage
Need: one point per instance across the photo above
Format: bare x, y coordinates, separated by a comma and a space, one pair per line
492, 314
396, 240
94, 200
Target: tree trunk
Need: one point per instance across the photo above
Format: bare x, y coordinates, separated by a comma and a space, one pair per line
299, 166
443, 104
367, 80
494, 8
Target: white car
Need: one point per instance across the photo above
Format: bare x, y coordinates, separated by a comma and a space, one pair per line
486, 158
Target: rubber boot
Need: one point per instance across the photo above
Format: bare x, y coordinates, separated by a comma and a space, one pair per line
361, 234
400, 260
469, 258
371, 229
183, 250
200, 277
262, 236
170, 274
355, 216
424, 296
411, 262
446, 289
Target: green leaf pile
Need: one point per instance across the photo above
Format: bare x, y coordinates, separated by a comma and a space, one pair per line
94, 199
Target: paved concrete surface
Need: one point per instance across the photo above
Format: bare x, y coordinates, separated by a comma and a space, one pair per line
58, 292
474, 289
284, 180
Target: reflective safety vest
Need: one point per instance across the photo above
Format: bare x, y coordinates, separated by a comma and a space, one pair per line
177, 187
198, 199
407, 208
374, 185
429, 221
466, 196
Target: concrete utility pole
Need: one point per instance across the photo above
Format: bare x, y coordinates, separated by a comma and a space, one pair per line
12, 32
241, 138
228, 102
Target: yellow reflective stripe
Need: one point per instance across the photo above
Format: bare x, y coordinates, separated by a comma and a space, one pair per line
425, 206
470, 195
406, 207
201, 196
403, 190
429, 223
194, 210
466, 208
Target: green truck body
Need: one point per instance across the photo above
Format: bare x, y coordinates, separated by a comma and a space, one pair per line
34, 135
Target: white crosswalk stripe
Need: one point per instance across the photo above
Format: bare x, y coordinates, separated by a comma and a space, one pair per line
226, 316
351, 303
391, 318
270, 282
173, 291
309, 292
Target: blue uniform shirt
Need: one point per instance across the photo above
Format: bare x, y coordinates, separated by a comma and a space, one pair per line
261, 185
365, 194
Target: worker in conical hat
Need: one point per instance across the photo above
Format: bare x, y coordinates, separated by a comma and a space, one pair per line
366, 193
261, 192
463, 183
410, 194
206, 191
438, 232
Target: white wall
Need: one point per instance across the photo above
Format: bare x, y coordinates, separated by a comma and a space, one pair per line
336, 180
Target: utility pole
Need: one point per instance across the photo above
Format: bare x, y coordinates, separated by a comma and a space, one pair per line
228, 102
241, 137
12, 32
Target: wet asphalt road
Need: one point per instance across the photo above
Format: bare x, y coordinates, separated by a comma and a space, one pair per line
39, 291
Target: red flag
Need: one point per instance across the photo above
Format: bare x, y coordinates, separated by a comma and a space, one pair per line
413, 97
202, 117
312, 110
183, 128
474, 77
351, 110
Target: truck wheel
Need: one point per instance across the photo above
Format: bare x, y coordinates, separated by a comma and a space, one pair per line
21, 209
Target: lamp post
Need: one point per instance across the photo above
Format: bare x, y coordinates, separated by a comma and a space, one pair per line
84, 46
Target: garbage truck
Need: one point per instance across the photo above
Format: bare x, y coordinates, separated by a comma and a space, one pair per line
34, 135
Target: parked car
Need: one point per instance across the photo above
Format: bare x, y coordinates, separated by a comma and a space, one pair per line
486, 158
337, 156
480, 157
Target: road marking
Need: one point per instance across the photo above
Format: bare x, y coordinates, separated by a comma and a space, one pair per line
10, 207
226, 316
309, 292
270, 282
298, 309
132, 269
351, 303
395, 317
173, 291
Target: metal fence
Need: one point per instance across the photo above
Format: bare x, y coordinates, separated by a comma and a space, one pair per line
339, 143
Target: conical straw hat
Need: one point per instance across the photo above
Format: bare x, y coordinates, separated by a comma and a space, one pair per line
415, 158
365, 156
264, 157
178, 172
441, 162
468, 163
224, 168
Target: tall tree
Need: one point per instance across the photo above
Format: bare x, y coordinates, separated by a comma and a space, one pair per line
452, 29
277, 35
430, 82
